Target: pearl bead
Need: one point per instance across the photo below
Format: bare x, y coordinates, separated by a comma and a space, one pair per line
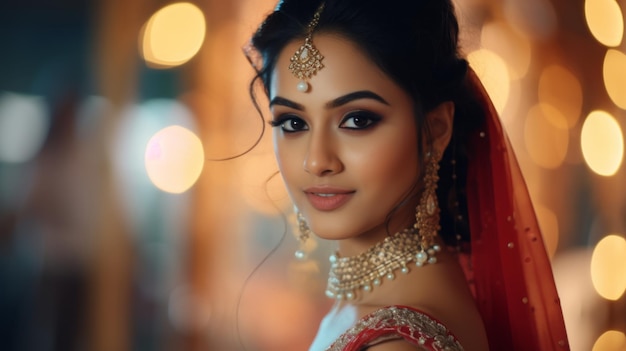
404, 270
367, 288
300, 255
350, 295
421, 257
376, 282
390, 276
303, 86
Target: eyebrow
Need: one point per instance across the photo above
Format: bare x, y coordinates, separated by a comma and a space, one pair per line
357, 95
342, 100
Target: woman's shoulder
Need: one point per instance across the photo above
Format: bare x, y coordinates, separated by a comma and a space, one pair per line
396, 323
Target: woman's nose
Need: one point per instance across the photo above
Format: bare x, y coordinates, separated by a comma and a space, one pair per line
322, 157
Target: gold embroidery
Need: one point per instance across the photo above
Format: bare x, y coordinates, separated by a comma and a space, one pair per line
404, 322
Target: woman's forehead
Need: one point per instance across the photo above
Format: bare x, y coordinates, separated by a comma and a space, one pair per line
345, 69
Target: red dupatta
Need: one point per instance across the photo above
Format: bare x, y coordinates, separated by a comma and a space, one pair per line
508, 268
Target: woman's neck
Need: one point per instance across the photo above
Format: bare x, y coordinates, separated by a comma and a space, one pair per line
361, 243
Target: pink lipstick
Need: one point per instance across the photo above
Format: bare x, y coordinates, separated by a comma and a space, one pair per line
327, 198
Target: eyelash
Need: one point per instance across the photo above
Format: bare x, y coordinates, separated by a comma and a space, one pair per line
282, 120
372, 119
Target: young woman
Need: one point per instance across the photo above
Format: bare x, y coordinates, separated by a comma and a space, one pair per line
388, 144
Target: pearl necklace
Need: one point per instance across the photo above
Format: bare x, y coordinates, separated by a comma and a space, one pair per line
349, 275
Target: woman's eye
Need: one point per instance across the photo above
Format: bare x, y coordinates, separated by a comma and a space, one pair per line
290, 124
359, 120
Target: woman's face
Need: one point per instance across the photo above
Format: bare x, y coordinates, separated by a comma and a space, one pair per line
347, 149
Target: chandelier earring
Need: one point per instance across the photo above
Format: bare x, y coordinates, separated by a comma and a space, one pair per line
304, 233
427, 212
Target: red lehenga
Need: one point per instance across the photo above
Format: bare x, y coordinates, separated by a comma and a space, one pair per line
508, 269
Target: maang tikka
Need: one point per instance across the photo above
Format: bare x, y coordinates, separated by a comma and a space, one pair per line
307, 60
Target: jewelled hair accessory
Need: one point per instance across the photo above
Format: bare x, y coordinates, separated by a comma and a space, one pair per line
350, 275
307, 60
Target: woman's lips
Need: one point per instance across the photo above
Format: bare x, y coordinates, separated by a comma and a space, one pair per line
328, 199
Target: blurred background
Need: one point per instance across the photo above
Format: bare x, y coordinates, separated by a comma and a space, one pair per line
125, 225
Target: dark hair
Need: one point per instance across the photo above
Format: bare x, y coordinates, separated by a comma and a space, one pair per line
415, 42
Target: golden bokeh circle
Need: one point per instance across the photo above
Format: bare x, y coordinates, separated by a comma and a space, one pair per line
174, 159
602, 143
608, 267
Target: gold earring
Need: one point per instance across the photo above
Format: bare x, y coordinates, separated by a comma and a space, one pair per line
427, 212
304, 235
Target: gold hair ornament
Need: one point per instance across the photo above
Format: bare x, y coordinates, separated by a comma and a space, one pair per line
349, 276
307, 60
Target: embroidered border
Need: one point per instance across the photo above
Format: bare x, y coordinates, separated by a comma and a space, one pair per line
405, 322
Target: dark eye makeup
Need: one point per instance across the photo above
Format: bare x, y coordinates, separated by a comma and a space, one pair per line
355, 120
289, 123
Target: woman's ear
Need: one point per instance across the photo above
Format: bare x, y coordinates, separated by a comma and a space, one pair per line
440, 121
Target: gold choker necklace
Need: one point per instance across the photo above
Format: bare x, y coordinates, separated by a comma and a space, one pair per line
350, 275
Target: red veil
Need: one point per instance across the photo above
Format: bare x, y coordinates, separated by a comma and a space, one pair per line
508, 267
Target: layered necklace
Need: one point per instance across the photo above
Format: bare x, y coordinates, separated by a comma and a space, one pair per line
350, 276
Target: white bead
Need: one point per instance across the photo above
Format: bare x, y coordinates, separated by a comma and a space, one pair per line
432, 260
421, 257
376, 282
300, 255
367, 288
404, 270
390, 276
330, 294
332, 258
350, 295
303, 86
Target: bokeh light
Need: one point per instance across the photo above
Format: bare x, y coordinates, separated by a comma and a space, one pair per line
174, 159
549, 224
611, 340
614, 73
261, 186
560, 88
24, 124
173, 35
602, 143
608, 267
605, 21
494, 74
535, 18
546, 136
513, 47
